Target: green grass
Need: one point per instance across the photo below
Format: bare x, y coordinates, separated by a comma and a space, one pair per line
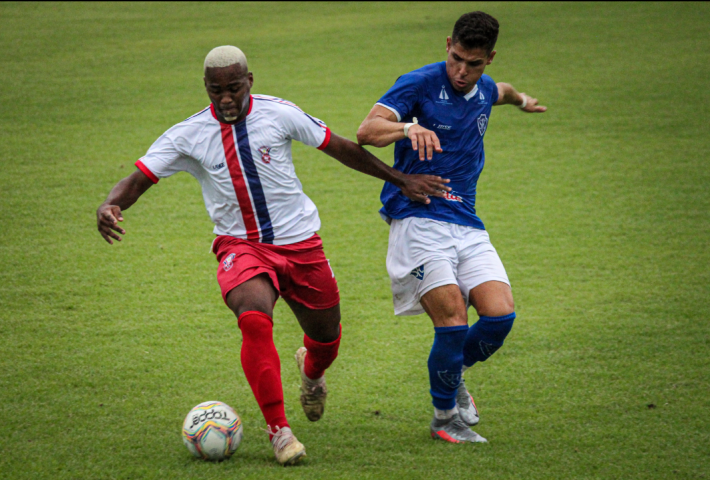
600, 210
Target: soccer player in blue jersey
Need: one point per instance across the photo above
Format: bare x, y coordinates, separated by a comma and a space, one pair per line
440, 258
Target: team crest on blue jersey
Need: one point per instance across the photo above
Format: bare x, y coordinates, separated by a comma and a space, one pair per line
482, 123
451, 380
265, 157
418, 272
228, 262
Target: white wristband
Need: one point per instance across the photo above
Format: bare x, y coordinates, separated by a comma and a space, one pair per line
406, 129
525, 101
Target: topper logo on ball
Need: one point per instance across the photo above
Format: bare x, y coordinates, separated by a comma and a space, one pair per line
209, 415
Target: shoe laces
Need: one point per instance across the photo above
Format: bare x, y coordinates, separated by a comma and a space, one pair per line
281, 437
314, 389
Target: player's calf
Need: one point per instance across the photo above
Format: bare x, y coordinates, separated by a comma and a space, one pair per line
485, 337
313, 359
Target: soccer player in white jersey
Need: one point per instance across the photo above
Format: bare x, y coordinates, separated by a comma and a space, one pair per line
239, 149
440, 258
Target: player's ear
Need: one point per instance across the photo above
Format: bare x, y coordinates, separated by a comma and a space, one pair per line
251, 79
490, 57
448, 44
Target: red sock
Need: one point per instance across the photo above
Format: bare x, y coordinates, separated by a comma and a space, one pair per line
262, 367
320, 355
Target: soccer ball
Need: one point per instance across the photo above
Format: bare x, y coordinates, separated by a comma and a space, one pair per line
212, 431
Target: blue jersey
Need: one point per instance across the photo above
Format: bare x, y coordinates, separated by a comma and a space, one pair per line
460, 122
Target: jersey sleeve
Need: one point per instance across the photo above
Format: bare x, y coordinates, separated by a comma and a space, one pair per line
298, 125
402, 97
164, 158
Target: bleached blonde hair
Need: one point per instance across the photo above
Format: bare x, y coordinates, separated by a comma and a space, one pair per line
225, 56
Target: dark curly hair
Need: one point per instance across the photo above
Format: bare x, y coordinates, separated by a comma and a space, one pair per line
476, 30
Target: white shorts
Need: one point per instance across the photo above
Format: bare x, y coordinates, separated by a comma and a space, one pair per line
424, 254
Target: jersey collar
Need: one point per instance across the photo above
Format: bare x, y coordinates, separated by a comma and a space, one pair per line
467, 96
251, 104
472, 93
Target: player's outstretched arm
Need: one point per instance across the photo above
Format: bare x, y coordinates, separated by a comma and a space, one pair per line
414, 187
381, 128
508, 95
122, 196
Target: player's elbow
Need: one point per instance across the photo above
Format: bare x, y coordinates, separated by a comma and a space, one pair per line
362, 134
367, 136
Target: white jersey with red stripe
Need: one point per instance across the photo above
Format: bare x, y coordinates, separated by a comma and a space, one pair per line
248, 180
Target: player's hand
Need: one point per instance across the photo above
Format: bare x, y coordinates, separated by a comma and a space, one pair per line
107, 218
420, 187
424, 141
532, 106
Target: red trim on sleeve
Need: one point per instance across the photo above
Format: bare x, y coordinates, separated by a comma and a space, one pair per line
147, 172
326, 141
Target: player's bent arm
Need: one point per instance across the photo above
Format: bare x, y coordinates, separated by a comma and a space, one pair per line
381, 128
508, 95
415, 187
122, 196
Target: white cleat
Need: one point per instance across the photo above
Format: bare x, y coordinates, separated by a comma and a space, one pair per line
287, 449
454, 430
313, 392
467, 407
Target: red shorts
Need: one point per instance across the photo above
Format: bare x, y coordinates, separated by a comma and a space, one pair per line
299, 272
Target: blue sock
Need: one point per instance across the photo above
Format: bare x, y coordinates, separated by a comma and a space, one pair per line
445, 362
485, 337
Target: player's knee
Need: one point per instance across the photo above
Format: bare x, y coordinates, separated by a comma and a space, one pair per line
504, 305
448, 315
451, 319
254, 305
255, 295
322, 332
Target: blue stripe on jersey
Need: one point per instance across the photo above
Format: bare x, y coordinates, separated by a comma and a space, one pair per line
289, 104
257, 192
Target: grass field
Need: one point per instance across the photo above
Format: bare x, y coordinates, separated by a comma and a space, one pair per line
600, 210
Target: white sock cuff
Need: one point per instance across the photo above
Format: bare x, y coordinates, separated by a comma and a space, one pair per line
445, 414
